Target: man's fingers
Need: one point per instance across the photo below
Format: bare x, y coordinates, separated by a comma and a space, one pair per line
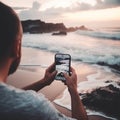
65, 75
51, 68
72, 69
54, 73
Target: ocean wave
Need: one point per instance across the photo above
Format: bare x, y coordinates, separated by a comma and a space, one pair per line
99, 34
80, 55
112, 61
81, 48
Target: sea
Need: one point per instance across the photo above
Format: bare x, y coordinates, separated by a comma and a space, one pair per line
98, 48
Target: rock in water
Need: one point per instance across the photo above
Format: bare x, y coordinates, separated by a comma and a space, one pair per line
104, 99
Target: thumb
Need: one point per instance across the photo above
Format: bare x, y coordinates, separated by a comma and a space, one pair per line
66, 76
54, 73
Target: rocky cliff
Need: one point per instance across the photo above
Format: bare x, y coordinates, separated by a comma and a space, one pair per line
104, 99
38, 26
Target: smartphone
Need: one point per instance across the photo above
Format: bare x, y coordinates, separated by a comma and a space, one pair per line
62, 65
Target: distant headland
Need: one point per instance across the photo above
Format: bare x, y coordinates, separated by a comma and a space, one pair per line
38, 26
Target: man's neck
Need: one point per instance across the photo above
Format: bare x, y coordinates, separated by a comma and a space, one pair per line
4, 69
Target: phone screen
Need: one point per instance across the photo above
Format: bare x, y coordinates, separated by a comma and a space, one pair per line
62, 65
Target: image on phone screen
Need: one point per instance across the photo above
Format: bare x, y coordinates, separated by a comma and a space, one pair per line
62, 65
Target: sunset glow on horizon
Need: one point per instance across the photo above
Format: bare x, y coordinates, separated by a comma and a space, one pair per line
66, 3
97, 15
70, 12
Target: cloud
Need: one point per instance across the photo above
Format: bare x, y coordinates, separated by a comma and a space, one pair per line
54, 13
49, 14
35, 13
71, 9
80, 7
19, 8
77, 6
107, 4
31, 13
113, 3
36, 5
100, 4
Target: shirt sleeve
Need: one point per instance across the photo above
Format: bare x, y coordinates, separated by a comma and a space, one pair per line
29, 105
42, 108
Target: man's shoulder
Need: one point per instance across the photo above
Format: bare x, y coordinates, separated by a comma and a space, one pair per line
12, 93
10, 89
17, 99
26, 105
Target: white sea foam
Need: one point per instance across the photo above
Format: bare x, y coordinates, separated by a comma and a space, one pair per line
90, 85
101, 34
81, 48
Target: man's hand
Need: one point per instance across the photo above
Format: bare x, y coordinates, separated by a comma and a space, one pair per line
47, 80
71, 81
78, 110
50, 74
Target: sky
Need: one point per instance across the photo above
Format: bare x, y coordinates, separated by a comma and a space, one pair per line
92, 13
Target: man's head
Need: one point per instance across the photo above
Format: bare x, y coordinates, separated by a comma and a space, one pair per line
10, 36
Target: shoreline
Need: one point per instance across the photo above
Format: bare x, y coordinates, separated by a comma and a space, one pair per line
28, 74
42, 59
36, 57
45, 59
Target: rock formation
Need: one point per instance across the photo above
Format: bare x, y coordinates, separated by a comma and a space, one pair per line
38, 26
104, 99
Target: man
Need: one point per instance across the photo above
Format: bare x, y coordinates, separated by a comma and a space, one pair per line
17, 104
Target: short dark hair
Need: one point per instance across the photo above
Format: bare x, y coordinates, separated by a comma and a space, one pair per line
9, 29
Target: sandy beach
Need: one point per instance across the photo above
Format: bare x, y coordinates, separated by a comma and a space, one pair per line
29, 73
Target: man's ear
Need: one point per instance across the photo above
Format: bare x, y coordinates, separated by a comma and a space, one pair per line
15, 49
